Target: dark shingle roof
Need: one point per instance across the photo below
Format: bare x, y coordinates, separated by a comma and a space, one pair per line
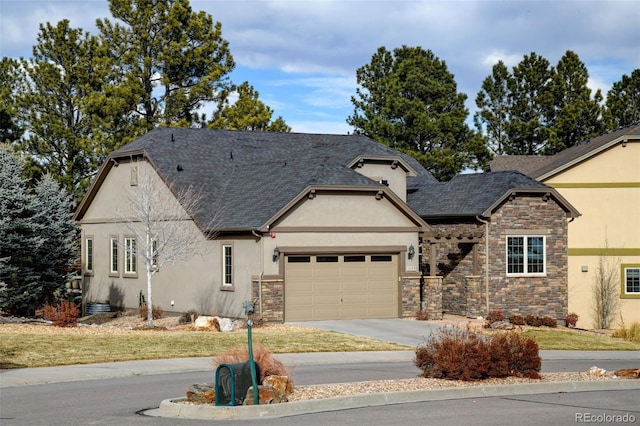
523, 163
469, 194
247, 177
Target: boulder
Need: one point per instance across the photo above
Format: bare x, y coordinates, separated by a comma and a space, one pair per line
502, 325
597, 371
266, 395
202, 393
207, 323
628, 373
281, 385
225, 324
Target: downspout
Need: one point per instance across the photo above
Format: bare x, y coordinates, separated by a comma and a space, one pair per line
486, 260
259, 238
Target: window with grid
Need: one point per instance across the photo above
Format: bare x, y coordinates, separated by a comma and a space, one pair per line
89, 254
130, 266
227, 264
632, 280
113, 253
526, 255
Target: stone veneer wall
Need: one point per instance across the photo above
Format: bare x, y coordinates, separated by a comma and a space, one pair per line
455, 263
272, 299
432, 297
541, 296
410, 304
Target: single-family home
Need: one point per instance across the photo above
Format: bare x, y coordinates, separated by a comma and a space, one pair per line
316, 226
601, 178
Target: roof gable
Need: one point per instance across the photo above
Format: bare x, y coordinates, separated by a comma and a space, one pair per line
248, 177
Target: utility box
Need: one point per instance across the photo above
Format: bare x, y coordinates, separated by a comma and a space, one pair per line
232, 383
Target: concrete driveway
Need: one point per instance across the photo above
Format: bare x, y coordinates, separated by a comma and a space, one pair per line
403, 331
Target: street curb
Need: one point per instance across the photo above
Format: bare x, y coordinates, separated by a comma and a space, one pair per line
172, 408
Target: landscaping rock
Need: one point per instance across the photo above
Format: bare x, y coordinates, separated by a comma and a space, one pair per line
202, 393
597, 371
628, 373
207, 323
266, 395
281, 385
502, 325
225, 324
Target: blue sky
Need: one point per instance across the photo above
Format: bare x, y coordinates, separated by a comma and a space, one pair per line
302, 55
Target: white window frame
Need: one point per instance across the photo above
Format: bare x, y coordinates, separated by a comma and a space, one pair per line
154, 253
227, 265
113, 256
525, 259
130, 256
89, 254
625, 278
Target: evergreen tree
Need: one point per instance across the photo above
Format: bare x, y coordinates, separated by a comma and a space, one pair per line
64, 79
248, 112
408, 100
172, 59
623, 102
494, 105
52, 261
20, 238
531, 104
575, 116
12, 82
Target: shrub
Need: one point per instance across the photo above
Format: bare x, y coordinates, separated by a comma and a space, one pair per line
156, 312
422, 315
494, 316
514, 355
457, 354
188, 317
631, 334
533, 321
267, 363
549, 322
571, 319
454, 354
64, 314
516, 319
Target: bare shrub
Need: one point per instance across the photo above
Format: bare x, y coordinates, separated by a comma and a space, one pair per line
514, 355
64, 314
156, 312
267, 363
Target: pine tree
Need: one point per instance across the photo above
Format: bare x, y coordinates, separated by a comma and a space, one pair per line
53, 213
408, 100
623, 102
20, 237
494, 104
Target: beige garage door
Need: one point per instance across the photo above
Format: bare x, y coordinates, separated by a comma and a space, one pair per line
320, 287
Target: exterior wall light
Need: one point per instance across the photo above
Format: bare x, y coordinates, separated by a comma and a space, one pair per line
411, 251
276, 254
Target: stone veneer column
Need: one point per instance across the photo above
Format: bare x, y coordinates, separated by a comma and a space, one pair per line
410, 296
272, 299
476, 305
432, 297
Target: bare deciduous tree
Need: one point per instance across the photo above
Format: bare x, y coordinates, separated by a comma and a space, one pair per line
606, 289
159, 217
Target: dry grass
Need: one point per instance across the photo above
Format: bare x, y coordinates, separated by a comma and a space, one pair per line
35, 345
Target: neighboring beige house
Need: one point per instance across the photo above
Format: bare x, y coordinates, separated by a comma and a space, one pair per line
312, 227
601, 178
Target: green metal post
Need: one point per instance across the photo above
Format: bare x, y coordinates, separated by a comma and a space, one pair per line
252, 365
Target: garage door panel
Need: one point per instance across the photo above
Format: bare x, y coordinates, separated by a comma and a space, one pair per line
356, 288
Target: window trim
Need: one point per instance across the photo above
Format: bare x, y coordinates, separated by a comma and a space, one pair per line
623, 281
525, 265
227, 285
114, 242
130, 260
89, 255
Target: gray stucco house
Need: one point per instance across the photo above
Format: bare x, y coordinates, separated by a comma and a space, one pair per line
310, 227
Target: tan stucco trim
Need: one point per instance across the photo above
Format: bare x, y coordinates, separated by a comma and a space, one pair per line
604, 251
340, 250
548, 192
586, 156
374, 191
294, 229
393, 161
596, 185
